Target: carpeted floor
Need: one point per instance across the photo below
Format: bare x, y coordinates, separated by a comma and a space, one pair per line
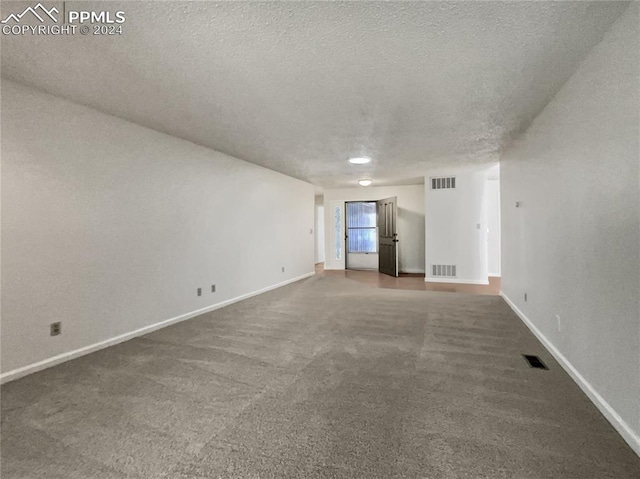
326, 377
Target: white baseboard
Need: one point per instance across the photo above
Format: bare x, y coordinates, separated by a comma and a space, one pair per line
629, 435
49, 362
455, 280
412, 270
494, 275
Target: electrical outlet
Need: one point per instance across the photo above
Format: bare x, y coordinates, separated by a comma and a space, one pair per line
525, 297
56, 328
213, 288
558, 323
199, 291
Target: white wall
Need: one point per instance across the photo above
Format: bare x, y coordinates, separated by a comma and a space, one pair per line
456, 226
574, 244
110, 227
319, 231
492, 202
410, 222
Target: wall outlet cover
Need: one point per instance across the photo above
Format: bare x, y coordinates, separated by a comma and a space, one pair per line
56, 328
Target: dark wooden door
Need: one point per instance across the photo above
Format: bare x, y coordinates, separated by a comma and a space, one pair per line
388, 236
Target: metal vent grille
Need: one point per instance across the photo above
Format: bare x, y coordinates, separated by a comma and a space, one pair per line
534, 361
443, 270
443, 183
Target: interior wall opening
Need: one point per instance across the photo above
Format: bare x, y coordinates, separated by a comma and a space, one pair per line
361, 238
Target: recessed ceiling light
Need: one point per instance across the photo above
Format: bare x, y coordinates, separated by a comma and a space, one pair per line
364, 182
361, 160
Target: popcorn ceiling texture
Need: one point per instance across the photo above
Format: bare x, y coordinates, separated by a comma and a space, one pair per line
300, 86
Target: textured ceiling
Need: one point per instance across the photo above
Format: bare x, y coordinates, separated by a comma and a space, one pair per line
299, 87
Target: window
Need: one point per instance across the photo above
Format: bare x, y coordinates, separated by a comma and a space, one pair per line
362, 234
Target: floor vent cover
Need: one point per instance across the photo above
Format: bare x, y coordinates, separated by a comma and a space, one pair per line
534, 361
443, 270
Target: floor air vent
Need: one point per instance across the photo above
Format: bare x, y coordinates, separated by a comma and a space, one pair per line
534, 361
443, 270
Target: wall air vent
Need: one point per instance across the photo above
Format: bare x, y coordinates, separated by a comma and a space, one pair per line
443, 270
443, 183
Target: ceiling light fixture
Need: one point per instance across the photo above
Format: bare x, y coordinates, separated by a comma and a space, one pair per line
364, 182
361, 160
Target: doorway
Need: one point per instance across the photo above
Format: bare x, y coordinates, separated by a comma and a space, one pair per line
371, 238
361, 235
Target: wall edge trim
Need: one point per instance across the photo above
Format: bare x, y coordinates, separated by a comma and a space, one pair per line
91, 348
610, 414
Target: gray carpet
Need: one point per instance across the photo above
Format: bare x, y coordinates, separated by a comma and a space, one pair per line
323, 378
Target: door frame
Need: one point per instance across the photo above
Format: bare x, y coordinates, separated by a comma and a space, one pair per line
346, 231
